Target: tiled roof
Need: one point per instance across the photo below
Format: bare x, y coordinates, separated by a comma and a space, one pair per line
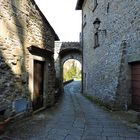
79, 4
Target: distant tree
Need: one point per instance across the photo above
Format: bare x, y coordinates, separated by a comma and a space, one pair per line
72, 72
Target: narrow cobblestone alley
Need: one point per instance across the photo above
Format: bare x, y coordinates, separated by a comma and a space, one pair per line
74, 118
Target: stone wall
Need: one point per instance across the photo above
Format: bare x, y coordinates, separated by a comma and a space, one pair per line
22, 25
57, 59
106, 68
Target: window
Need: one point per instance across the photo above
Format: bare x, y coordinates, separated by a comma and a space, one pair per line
108, 6
95, 2
96, 40
94, 5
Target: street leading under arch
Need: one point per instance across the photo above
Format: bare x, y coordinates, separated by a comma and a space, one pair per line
73, 118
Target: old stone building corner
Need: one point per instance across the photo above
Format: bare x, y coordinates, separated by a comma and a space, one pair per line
27, 72
111, 52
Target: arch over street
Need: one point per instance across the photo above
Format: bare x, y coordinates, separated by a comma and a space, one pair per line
63, 52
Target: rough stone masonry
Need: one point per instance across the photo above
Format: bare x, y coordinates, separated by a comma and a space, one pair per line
107, 68
23, 25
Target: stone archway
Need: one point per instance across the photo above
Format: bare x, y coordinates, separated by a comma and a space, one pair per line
63, 52
75, 56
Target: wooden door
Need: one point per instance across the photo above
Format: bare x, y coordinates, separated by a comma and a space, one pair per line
38, 84
136, 86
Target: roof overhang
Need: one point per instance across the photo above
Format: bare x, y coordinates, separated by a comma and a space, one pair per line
79, 4
39, 51
69, 50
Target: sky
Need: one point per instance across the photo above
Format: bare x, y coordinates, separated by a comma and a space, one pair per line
61, 14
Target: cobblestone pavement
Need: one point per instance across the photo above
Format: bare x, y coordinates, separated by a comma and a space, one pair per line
75, 118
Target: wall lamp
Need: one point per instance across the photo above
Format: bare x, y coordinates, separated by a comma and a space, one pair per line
96, 24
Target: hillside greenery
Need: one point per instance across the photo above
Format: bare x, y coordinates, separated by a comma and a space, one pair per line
72, 73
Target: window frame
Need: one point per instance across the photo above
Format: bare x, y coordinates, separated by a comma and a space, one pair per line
96, 40
95, 4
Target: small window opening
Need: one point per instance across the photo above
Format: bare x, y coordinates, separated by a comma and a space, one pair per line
96, 40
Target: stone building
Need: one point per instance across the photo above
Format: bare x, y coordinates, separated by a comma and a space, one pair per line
111, 51
26, 54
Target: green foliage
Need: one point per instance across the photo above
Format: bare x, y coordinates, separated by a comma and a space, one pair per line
73, 73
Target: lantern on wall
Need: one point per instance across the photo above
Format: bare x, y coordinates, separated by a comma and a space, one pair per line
96, 23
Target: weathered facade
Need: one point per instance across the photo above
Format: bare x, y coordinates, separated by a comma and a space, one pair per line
110, 51
26, 54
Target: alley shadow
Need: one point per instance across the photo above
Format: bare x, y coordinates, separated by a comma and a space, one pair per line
14, 76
